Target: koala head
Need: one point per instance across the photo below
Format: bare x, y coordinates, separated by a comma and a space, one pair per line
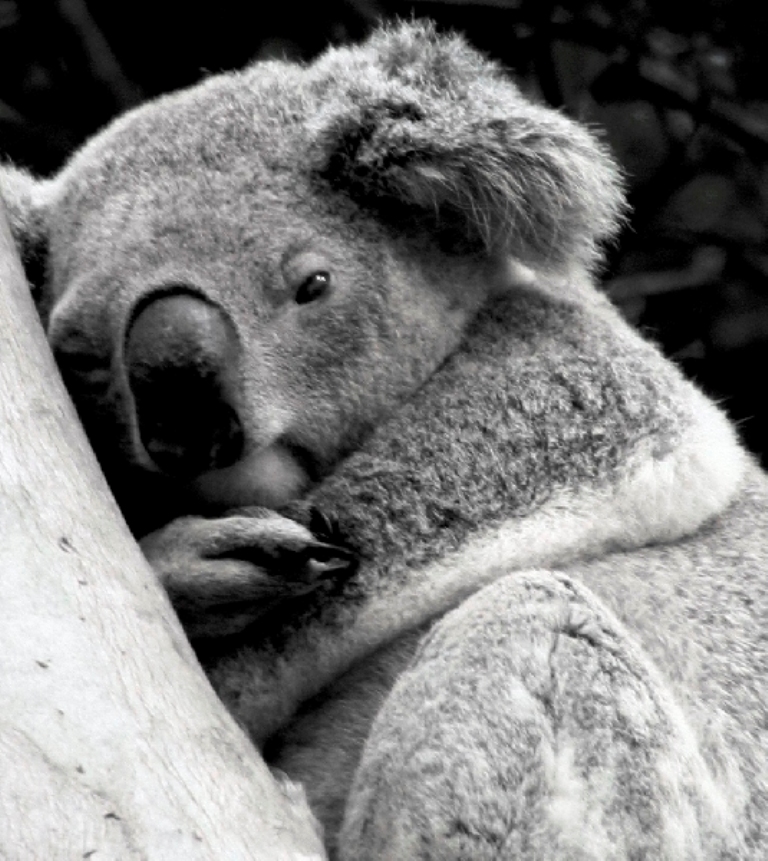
241, 279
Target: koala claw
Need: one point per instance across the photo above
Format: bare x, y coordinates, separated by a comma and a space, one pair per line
224, 574
320, 524
324, 561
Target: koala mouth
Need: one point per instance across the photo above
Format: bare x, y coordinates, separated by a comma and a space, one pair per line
271, 476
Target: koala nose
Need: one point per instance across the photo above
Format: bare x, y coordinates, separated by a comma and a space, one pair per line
181, 355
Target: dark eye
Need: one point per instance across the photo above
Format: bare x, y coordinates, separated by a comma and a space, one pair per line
313, 287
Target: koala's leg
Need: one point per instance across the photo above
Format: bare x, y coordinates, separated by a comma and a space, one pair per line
530, 726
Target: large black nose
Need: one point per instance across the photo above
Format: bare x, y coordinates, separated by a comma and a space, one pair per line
181, 358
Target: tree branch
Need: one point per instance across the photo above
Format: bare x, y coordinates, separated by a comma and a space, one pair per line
112, 743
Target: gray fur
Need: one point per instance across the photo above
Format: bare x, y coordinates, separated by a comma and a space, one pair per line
554, 645
552, 436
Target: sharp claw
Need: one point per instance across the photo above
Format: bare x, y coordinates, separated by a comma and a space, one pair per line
320, 524
325, 561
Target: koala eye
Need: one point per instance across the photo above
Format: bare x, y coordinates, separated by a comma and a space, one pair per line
313, 287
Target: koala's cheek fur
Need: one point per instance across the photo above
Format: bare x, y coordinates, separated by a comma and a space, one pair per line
373, 345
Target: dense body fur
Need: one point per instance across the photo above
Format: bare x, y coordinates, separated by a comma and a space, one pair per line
621, 454
553, 645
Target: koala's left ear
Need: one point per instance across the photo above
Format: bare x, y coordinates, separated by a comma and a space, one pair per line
422, 123
21, 194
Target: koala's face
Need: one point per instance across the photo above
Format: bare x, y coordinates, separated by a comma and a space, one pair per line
243, 278
228, 324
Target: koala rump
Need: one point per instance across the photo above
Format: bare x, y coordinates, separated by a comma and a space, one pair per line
367, 284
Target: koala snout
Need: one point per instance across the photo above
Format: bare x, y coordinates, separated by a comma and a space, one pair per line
181, 356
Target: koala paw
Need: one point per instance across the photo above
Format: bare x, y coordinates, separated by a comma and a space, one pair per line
223, 574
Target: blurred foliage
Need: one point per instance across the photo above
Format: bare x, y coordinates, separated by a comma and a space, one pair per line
682, 99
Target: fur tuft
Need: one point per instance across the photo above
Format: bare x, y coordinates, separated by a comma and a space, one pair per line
422, 124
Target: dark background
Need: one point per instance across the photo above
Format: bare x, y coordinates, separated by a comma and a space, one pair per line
683, 100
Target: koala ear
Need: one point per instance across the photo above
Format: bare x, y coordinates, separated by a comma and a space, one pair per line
421, 123
22, 196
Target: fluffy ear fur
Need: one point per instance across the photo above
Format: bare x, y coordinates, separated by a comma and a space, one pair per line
21, 194
422, 124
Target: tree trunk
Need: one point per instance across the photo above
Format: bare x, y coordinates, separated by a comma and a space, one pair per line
112, 743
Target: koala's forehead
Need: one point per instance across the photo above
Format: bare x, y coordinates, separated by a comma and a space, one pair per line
219, 170
240, 127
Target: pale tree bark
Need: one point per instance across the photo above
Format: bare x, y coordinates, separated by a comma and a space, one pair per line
112, 743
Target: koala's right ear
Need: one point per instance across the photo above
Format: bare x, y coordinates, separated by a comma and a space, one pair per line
414, 121
22, 196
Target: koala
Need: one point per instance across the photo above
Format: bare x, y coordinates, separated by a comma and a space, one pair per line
529, 619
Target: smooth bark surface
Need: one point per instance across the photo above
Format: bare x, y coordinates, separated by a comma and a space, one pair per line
112, 743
